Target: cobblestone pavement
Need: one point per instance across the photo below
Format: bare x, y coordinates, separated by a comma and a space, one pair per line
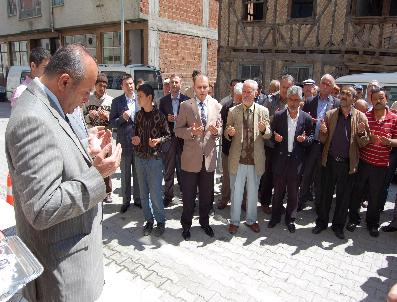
273, 265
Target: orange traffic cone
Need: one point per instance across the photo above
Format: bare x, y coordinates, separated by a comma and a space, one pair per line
10, 198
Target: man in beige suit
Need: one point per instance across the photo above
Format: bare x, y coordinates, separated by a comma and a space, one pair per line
247, 126
199, 125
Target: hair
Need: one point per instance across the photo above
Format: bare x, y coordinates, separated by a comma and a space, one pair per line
174, 75
378, 89
101, 78
200, 75
147, 89
195, 73
361, 102
275, 82
259, 81
38, 55
329, 77
252, 82
238, 88
288, 77
166, 81
336, 89
294, 90
350, 87
234, 81
126, 77
68, 59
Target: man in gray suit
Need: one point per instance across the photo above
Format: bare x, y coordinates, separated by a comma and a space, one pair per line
56, 184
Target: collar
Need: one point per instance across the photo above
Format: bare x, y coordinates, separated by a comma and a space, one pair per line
177, 97
389, 115
101, 98
252, 107
205, 102
350, 112
51, 95
133, 97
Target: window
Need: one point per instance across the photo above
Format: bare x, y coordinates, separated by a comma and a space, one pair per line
300, 73
88, 40
3, 58
19, 53
12, 7
57, 2
29, 8
302, 9
111, 48
250, 72
255, 10
393, 8
369, 8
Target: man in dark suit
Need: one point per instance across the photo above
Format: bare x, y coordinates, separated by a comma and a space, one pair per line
122, 114
292, 133
169, 106
316, 107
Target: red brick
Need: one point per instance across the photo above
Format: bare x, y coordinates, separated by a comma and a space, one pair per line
189, 11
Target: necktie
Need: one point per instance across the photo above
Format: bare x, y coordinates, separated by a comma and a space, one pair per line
202, 115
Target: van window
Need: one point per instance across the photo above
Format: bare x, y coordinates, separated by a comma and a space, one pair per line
114, 79
151, 77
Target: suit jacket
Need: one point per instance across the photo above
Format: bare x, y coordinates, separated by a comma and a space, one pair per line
165, 108
235, 119
312, 103
125, 129
224, 113
56, 194
194, 148
356, 142
280, 155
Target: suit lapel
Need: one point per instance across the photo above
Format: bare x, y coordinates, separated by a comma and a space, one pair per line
195, 110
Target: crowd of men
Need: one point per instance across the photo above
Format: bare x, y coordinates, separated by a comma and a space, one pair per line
303, 143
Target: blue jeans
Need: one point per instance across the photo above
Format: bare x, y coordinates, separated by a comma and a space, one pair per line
245, 173
150, 176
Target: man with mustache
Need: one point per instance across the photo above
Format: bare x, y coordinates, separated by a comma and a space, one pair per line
374, 162
343, 131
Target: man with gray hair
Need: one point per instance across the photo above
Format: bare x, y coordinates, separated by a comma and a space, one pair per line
225, 191
56, 184
247, 127
292, 134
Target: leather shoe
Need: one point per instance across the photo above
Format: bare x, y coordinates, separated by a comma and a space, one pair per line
222, 205
351, 226
138, 205
167, 203
339, 233
388, 228
317, 229
266, 209
124, 208
186, 234
208, 230
291, 227
233, 229
254, 227
301, 207
373, 231
272, 224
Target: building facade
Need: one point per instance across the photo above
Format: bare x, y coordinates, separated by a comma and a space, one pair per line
305, 38
176, 36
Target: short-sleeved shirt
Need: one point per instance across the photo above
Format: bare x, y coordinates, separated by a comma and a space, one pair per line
377, 154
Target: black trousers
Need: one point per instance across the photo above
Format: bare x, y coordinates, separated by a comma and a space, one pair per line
311, 174
335, 174
205, 182
172, 162
290, 180
266, 182
374, 178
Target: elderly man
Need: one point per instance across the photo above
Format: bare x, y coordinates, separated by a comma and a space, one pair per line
373, 85
359, 91
274, 87
56, 185
316, 107
292, 133
374, 162
309, 88
274, 103
169, 106
225, 192
247, 126
342, 132
199, 125
230, 97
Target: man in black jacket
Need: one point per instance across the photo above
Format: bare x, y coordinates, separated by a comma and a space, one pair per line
169, 106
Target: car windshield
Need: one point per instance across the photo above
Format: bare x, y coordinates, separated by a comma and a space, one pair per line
114, 79
151, 77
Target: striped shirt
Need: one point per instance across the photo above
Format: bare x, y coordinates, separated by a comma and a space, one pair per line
377, 154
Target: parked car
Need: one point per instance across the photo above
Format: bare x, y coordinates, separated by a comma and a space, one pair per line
16, 75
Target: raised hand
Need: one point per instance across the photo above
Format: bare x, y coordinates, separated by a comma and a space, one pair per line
197, 130
126, 115
323, 127
171, 118
231, 131
153, 142
277, 137
374, 138
98, 138
107, 161
136, 140
385, 140
262, 126
301, 138
93, 113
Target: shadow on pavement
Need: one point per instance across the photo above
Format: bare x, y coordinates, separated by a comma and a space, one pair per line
5, 109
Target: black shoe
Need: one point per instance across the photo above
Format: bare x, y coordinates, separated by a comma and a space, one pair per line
373, 231
291, 227
318, 229
301, 207
272, 224
124, 208
339, 233
208, 230
148, 228
388, 228
138, 205
186, 234
159, 230
167, 203
351, 226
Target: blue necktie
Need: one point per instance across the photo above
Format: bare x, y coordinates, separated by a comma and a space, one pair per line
202, 115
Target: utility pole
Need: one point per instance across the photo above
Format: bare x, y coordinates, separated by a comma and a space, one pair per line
122, 31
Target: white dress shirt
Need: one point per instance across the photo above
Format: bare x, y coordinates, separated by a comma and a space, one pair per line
292, 123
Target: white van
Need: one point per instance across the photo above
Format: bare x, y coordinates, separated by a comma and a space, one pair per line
387, 79
16, 75
149, 74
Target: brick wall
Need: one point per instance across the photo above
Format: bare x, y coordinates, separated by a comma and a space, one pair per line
144, 6
189, 11
214, 10
212, 59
